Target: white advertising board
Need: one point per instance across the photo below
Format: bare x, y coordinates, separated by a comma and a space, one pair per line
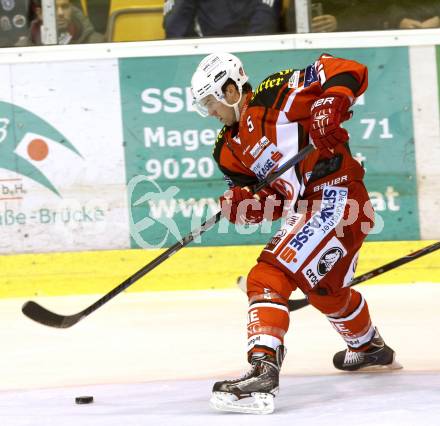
60, 129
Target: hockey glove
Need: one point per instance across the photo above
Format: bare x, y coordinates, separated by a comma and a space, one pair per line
242, 207
327, 114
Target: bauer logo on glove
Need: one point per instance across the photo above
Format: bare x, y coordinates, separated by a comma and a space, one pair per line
328, 112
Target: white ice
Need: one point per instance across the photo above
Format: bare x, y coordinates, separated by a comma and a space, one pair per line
151, 359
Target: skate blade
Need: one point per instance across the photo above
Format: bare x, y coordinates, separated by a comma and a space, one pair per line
394, 365
258, 403
381, 368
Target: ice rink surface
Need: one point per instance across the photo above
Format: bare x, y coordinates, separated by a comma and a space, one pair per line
151, 359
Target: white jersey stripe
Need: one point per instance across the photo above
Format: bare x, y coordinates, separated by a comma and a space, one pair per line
288, 145
290, 100
269, 305
352, 315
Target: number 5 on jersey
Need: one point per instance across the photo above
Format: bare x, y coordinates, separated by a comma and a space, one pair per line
250, 124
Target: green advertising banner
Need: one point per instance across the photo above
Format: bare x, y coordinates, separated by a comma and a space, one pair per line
173, 183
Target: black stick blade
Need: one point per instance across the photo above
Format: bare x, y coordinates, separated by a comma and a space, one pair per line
38, 313
297, 304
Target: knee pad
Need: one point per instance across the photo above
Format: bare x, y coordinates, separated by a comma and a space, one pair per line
267, 282
334, 303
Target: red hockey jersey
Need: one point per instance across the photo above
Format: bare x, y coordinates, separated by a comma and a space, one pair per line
274, 125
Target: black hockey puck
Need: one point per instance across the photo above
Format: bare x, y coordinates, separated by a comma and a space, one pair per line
84, 399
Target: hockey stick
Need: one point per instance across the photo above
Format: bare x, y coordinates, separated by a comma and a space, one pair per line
41, 315
294, 305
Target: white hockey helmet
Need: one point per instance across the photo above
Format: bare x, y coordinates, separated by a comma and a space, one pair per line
210, 76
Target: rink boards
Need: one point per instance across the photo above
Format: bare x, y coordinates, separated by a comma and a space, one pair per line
192, 268
105, 157
107, 153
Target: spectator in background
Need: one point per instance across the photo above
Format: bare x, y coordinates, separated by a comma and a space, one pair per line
204, 18
14, 22
406, 14
97, 12
343, 15
72, 25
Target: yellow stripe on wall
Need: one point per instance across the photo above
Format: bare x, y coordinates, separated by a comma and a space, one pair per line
192, 268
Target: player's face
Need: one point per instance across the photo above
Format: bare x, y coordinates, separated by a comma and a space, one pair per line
219, 110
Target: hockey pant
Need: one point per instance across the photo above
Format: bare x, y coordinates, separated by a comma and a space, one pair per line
317, 252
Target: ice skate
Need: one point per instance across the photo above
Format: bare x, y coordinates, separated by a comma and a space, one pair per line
378, 357
254, 392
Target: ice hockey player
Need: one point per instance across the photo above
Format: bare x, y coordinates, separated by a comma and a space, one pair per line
323, 201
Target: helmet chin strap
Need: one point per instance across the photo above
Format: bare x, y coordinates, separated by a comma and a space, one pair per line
236, 107
237, 112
